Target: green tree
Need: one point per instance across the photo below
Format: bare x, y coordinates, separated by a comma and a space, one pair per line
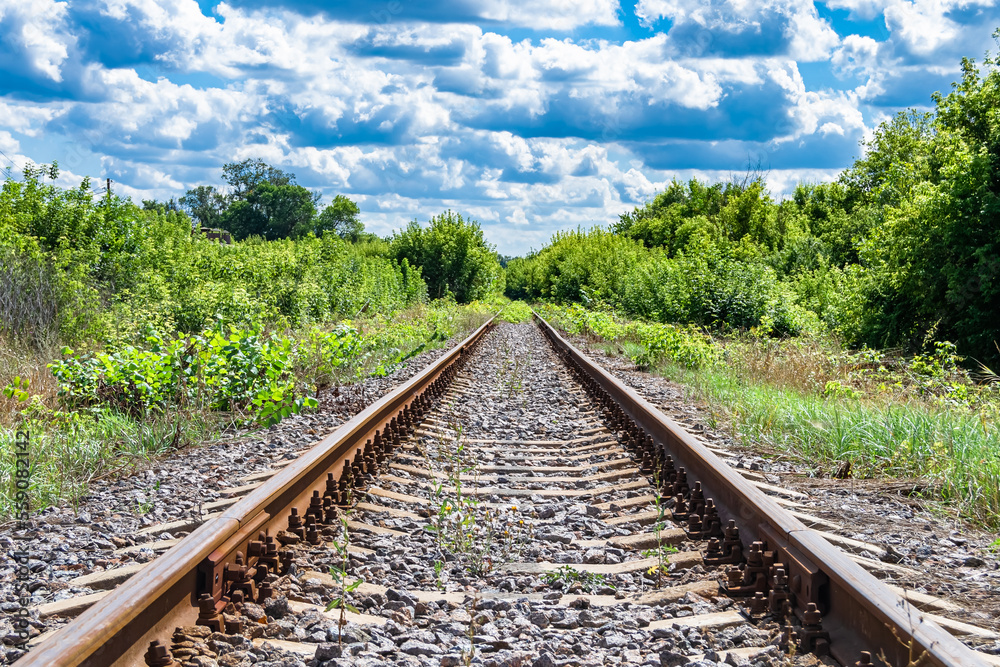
453, 256
340, 218
242, 177
935, 260
154, 205
284, 207
263, 201
205, 204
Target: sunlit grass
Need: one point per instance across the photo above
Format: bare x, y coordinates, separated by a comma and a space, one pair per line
66, 455
954, 452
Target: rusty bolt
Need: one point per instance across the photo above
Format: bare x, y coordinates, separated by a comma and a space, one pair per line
264, 592
255, 548
681, 483
207, 614
811, 617
680, 508
295, 524
234, 625
714, 549
711, 517
668, 466
158, 656
285, 558
697, 500
312, 535
315, 505
813, 637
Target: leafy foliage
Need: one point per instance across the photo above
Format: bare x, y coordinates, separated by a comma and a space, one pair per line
453, 256
340, 218
241, 370
106, 270
648, 344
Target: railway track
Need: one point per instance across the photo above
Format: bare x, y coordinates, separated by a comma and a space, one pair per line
511, 504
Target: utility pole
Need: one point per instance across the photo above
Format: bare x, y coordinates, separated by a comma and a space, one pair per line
108, 193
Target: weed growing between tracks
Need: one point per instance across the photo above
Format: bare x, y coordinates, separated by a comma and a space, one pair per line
470, 632
340, 576
567, 575
661, 551
511, 369
454, 520
478, 538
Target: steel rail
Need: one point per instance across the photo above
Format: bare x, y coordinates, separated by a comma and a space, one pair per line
860, 613
116, 631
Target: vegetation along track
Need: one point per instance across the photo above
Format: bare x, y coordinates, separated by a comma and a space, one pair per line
511, 504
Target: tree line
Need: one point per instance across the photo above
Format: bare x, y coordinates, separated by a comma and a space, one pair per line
263, 200
901, 250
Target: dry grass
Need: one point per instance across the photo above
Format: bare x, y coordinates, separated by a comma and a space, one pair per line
821, 366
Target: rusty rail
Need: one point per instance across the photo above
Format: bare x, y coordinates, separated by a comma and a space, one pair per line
859, 612
171, 592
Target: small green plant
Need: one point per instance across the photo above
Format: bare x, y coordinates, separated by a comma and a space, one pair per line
340, 576
147, 505
567, 575
438, 574
511, 367
454, 519
662, 550
480, 539
18, 390
834, 389
470, 633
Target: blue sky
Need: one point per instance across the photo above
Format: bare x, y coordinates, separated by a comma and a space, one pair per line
528, 116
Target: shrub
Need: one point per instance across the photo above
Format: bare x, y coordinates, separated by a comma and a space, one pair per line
453, 256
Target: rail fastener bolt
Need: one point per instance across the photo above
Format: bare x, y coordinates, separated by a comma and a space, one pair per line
158, 655
207, 614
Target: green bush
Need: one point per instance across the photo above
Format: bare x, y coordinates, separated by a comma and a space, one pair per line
652, 343
237, 371
584, 266
453, 256
114, 270
712, 287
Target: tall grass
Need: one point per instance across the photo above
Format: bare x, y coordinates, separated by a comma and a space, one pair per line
955, 452
67, 453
